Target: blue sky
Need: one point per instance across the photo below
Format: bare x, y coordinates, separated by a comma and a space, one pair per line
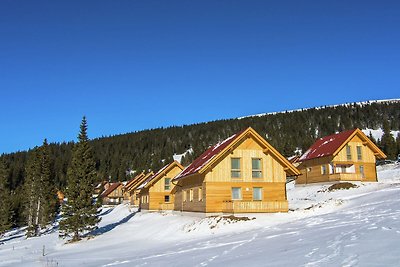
133, 65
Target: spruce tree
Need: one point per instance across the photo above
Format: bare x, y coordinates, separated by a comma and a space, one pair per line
80, 212
40, 191
5, 200
387, 142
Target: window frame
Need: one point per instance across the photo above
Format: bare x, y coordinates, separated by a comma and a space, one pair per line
240, 193
348, 153
239, 171
169, 199
191, 195
359, 153
261, 193
362, 171
200, 193
256, 170
165, 184
324, 170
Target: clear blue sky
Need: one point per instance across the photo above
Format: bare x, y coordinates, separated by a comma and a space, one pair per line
133, 65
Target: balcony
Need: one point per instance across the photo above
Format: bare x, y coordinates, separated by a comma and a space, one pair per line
237, 206
345, 177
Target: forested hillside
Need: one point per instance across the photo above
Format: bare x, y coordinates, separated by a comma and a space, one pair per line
150, 149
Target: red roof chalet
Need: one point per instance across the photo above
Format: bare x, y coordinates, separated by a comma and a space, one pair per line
327, 145
206, 157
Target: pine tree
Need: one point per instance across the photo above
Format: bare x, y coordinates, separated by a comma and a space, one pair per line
387, 142
5, 200
80, 212
32, 185
40, 191
398, 145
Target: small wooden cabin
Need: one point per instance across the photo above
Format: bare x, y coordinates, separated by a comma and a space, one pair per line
345, 156
128, 193
113, 195
133, 190
155, 192
243, 173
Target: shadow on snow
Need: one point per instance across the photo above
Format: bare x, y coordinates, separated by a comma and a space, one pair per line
111, 226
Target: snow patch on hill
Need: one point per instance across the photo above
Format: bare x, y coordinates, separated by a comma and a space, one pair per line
364, 103
378, 133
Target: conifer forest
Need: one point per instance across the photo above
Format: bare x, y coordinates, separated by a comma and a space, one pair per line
117, 158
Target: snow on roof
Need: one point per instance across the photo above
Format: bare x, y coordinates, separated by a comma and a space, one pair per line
207, 156
327, 145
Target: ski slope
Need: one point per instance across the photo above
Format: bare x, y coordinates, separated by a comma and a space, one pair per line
355, 227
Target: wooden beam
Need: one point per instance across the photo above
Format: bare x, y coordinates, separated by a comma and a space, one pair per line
266, 150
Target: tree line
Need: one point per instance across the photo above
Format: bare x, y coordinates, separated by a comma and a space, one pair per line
116, 158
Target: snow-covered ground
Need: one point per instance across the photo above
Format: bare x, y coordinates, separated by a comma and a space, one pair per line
355, 227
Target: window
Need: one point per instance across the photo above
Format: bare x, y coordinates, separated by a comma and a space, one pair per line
359, 152
191, 195
257, 193
348, 152
323, 169
256, 168
362, 171
200, 193
184, 195
167, 183
235, 167
236, 193
166, 199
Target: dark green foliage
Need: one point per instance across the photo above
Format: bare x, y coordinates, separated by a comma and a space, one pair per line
145, 150
398, 144
40, 193
388, 143
80, 212
5, 200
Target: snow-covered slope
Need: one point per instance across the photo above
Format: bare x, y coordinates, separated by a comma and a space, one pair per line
329, 106
355, 227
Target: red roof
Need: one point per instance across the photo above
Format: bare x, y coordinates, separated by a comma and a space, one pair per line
327, 145
208, 155
112, 187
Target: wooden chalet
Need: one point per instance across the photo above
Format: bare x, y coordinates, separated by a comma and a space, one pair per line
346, 156
243, 173
128, 193
155, 192
131, 188
113, 195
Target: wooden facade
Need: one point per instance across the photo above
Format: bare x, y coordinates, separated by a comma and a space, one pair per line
113, 195
255, 184
129, 193
132, 192
354, 159
155, 193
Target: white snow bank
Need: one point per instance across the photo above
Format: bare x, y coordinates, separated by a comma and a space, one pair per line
323, 228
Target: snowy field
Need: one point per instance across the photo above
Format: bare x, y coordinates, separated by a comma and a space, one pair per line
355, 227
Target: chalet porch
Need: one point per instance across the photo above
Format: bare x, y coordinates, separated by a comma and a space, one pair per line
237, 206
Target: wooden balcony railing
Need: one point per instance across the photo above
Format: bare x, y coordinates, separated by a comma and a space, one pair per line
166, 206
237, 206
345, 177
